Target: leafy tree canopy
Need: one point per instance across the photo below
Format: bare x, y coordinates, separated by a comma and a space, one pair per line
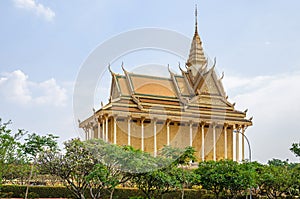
296, 149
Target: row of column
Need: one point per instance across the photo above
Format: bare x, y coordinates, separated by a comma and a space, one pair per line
235, 143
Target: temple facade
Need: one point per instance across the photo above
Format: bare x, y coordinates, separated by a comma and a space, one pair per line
187, 109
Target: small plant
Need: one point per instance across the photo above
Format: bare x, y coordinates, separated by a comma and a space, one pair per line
6, 195
31, 195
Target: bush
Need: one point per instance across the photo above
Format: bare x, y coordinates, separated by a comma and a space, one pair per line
17, 191
6, 195
37, 191
31, 195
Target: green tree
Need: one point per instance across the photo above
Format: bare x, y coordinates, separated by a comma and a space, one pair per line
294, 190
275, 180
278, 162
10, 150
154, 176
154, 183
34, 145
180, 158
165, 172
240, 177
108, 172
211, 176
16, 173
225, 176
72, 167
296, 149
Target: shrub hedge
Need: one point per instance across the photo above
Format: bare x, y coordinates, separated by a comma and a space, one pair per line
41, 191
17, 191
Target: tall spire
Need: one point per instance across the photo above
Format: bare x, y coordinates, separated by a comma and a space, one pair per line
196, 22
196, 56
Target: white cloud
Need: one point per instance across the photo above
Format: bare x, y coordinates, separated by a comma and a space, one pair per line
38, 8
52, 93
274, 103
15, 87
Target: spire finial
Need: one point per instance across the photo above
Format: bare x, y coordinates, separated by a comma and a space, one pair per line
196, 22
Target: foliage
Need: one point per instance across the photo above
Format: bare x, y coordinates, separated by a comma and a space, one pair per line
108, 173
296, 149
277, 162
276, 179
164, 175
72, 167
294, 190
241, 178
10, 150
35, 144
224, 177
16, 173
15, 157
179, 157
42, 191
16, 191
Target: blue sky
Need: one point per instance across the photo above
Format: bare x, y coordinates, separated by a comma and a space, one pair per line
44, 43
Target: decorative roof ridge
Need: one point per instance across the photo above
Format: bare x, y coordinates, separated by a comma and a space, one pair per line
149, 76
183, 74
128, 80
113, 81
109, 69
208, 73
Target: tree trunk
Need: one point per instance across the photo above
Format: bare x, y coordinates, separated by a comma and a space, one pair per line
182, 193
112, 193
27, 187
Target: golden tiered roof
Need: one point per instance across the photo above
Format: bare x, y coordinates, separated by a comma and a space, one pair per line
175, 97
196, 94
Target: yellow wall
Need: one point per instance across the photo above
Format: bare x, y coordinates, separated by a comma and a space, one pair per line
179, 137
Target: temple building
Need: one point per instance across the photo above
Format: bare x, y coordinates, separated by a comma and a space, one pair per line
187, 109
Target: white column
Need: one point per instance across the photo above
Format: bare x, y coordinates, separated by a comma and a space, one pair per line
98, 129
168, 133
85, 133
191, 133
243, 143
115, 129
89, 134
233, 143
214, 142
237, 143
103, 131
128, 131
225, 141
106, 129
142, 134
203, 143
154, 135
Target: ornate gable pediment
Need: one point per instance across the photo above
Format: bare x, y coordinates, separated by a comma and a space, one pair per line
210, 85
115, 91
